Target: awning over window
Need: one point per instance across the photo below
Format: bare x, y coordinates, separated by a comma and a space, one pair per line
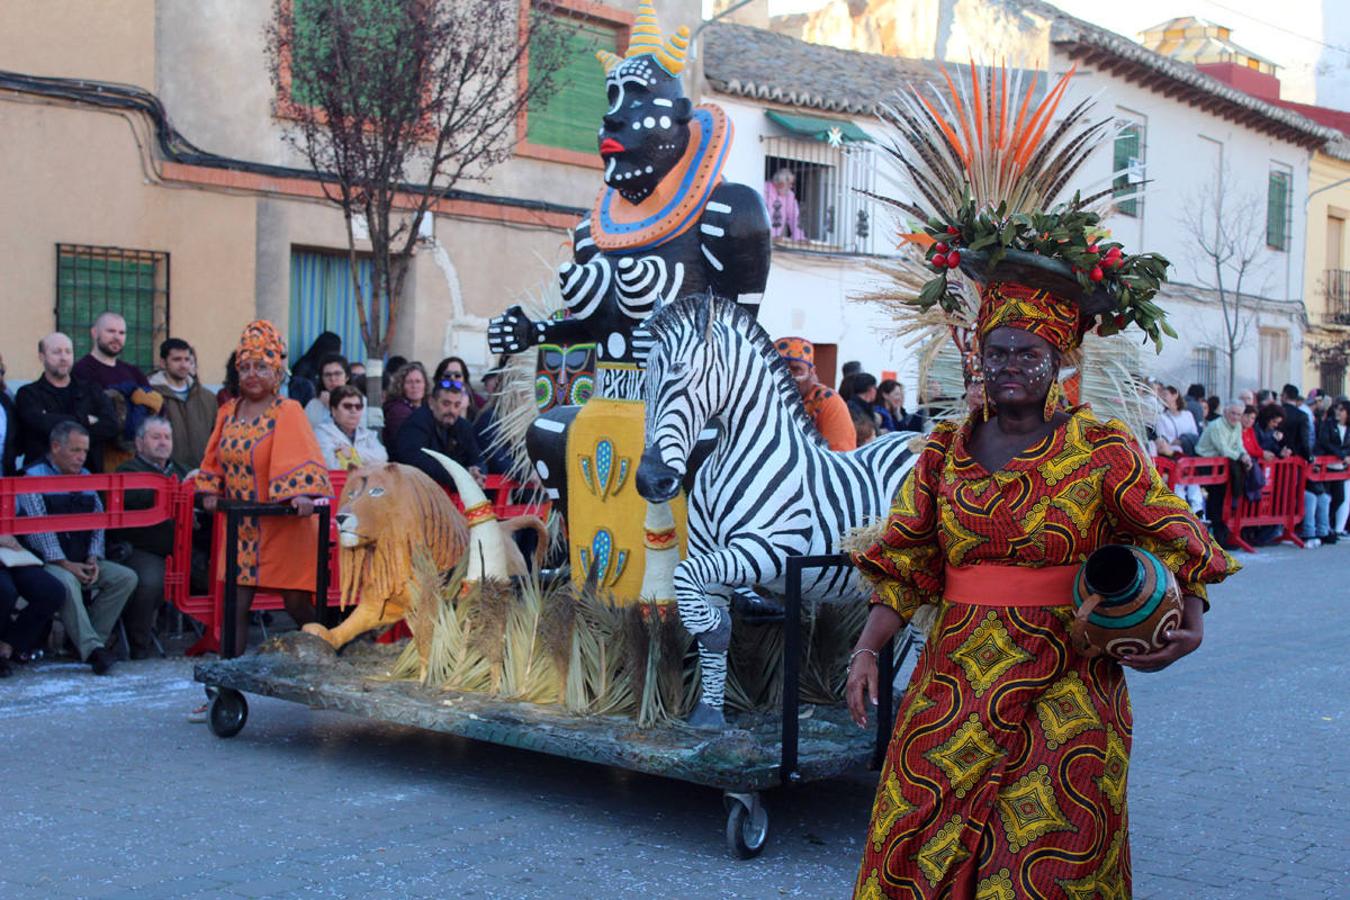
820, 129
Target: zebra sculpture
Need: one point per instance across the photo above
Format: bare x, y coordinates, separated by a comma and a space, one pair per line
771, 487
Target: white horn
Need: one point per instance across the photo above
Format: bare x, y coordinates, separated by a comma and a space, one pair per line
661, 556
487, 547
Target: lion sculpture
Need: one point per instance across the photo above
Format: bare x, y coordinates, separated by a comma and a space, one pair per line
390, 512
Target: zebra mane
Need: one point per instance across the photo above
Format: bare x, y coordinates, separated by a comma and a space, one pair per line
699, 312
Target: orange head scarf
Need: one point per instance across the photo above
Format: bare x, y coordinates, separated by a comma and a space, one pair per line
795, 349
1033, 310
261, 342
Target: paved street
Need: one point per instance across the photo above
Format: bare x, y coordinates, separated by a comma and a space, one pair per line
1239, 787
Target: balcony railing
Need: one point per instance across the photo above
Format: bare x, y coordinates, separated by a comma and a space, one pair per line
1336, 310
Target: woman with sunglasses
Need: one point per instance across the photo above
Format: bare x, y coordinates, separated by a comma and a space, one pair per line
345, 442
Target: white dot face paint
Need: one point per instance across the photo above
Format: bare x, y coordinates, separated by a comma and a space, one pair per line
617, 344
665, 121
637, 126
649, 122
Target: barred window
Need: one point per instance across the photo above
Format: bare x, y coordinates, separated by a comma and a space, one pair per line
1205, 367
132, 283
814, 194
1128, 168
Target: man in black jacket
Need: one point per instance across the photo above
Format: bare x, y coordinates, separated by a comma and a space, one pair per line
58, 397
9, 428
440, 425
1297, 424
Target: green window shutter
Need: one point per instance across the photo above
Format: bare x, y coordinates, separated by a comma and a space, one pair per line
1128, 153
571, 115
92, 280
1277, 211
376, 31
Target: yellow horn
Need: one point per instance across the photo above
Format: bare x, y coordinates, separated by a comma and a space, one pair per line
608, 60
671, 56
647, 37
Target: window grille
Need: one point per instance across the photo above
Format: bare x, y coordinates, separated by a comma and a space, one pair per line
832, 212
571, 114
1279, 209
132, 283
1128, 166
1333, 378
1205, 363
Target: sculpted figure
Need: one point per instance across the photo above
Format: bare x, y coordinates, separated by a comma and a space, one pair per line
663, 226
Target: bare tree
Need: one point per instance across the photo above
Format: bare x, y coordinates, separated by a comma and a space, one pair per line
395, 102
1228, 236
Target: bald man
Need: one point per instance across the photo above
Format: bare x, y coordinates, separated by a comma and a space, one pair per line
59, 397
101, 364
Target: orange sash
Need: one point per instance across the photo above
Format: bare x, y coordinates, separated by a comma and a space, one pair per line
995, 585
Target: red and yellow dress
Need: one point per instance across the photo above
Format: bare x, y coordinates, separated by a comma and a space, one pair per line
1005, 777
269, 459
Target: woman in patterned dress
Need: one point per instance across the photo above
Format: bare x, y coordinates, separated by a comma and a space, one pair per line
263, 450
1005, 776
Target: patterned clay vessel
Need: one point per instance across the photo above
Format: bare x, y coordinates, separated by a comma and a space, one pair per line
1126, 599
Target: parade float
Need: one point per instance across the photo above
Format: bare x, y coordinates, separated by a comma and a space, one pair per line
701, 627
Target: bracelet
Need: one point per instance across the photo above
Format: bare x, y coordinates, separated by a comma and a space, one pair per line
854, 655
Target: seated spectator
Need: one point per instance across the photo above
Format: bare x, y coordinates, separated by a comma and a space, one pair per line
345, 442
1195, 405
390, 370
495, 451
57, 397
827, 409
22, 630
860, 393
1224, 439
892, 396
1250, 442
333, 374
189, 408
440, 425
303, 385
118, 378
9, 428
454, 368
76, 558
357, 372
1269, 437
1177, 434
864, 429
151, 544
407, 393
780, 197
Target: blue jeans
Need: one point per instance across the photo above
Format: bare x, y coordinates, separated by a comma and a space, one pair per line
1316, 515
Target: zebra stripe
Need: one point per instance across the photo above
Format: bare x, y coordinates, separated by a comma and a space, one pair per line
771, 488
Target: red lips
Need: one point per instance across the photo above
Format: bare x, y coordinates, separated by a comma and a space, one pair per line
609, 146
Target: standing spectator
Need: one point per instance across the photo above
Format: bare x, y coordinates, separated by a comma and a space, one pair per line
407, 393
151, 544
9, 429
189, 408
440, 425
357, 371
230, 389
390, 370
892, 394
1177, 435
1224, 438
495, 452
1247, 398
119, 379
826, 408
1334, 440
864, 429
860, 393
852, 367
345, 442
780, 198
333, 374
1195, 405
1214, 409
1298, 422
457, 369
58, 397
263, 450
1268, 434
21, 573
1266, 398
76, 558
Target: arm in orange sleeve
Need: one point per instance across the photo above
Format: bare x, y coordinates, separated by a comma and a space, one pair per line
297, 465
211, 474
835, 424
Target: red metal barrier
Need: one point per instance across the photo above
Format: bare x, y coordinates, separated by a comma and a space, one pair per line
1281, 503
1328, 468
1202, 470
112, 487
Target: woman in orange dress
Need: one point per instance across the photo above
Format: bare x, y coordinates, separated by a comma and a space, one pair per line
263, 450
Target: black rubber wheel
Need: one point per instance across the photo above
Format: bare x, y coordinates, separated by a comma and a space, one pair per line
746, 834
228, 713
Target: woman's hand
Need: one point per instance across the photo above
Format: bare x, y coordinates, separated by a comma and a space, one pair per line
862, 686
303, 506
1180, 641
10, 542
209, 502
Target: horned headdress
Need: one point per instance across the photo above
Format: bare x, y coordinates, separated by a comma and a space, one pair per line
669, 52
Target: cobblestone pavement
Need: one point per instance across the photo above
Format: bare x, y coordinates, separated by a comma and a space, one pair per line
1239, 788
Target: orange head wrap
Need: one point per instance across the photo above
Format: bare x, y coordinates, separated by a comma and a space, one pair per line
795, 349
1033, 310
261, 342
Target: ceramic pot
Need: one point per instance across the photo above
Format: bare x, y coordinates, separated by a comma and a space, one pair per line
1126, 600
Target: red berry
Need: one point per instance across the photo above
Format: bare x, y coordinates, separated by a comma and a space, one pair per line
939, 261
1101, 331
1096, 273
1092, 248
953, 259
940, 247
1113, 251
1120, 321
952, 229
